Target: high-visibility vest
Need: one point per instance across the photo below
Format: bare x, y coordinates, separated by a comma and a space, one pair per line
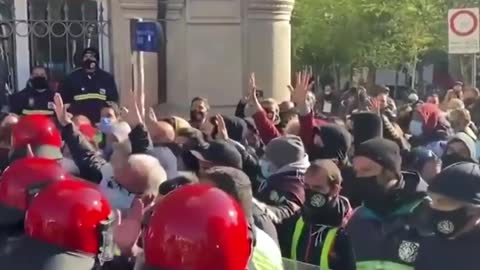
327, 245
266, 254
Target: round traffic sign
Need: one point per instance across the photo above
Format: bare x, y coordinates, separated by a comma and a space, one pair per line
463, 23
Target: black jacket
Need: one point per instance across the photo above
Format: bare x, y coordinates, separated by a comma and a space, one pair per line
394, 239
88, 160
311, 242
30, 101
87, 94
445, 254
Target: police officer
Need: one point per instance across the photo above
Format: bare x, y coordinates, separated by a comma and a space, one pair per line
67, 226
454, 217
87, 89
36, 98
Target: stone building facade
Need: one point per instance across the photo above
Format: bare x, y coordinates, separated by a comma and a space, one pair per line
210, 46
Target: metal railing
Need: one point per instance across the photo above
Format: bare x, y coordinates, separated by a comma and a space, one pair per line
55, 34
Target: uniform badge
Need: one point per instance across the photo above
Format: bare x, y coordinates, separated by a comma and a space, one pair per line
274, 196
408, 251
50, 105
31, 102
103, 91
317, 200
445, 227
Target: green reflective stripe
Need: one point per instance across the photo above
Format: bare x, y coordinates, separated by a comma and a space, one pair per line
261, 261
374, 265
327, 246
41, 112
90, 96
296, 236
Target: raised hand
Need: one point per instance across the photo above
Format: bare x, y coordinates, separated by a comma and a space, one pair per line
253, 99
302, 86
133, 111
63, 116
129, 226
374, 106
222, 129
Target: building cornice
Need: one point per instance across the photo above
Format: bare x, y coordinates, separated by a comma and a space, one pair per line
270, 9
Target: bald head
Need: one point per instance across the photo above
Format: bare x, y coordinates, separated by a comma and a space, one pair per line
6, 128
286, 106
143, 175
162, 132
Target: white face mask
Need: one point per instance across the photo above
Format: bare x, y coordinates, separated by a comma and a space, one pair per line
416, 128
117, 196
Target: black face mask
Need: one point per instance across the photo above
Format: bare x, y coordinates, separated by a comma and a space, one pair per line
453, 158
90, 64
321, 210
375, 196
39, 83
447, 223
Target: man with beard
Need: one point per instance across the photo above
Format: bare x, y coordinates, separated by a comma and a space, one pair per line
316, 234
89, 88
198, 112
36, 98
385, 231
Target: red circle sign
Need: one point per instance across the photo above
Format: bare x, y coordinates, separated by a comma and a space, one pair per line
469, 31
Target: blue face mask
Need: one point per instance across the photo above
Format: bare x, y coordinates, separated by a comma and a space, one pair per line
105, 125
416, 128
117, 196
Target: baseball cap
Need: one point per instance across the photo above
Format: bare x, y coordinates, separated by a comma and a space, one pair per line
219, 153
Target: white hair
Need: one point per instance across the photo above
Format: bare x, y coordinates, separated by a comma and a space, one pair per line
150, 168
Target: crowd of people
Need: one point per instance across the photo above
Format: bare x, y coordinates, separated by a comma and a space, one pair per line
313, 182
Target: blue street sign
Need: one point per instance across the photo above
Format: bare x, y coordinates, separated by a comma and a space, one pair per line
148, 36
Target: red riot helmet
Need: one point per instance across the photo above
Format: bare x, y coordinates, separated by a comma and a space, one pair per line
41, 133
74, 215
24, 177
197, 227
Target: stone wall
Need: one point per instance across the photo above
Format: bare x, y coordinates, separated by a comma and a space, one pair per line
212, 46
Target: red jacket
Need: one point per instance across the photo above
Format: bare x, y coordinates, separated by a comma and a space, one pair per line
266, 128
307, 123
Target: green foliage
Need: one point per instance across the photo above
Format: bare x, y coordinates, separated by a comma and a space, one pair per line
376, 33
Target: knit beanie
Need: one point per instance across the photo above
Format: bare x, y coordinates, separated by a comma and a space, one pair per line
285, 150
382, 151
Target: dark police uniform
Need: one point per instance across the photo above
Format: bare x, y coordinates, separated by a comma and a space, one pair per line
87, 94
31, 101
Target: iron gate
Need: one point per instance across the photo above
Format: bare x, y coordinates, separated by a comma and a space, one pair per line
56, 31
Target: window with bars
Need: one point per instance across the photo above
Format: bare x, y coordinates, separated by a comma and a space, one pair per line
51, 33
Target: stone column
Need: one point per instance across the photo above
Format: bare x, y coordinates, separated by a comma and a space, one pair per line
269, 45
177, 82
